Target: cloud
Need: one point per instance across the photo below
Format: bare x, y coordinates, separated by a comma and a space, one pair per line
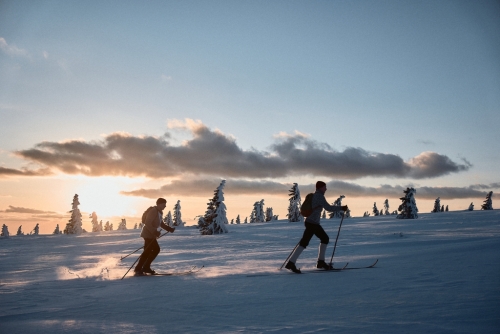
12, 50
14, 209
205, 188
211, 152
24, 172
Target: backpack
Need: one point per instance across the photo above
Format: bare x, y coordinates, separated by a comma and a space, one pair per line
306, 208
145, 214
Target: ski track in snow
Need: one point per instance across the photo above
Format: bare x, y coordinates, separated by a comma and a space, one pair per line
436, 274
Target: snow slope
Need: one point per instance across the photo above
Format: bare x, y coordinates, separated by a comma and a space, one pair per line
436, 274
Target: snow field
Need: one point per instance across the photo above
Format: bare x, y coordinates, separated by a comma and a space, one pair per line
437, 274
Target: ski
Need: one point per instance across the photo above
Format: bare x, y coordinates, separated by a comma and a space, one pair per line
193, 270
370, 266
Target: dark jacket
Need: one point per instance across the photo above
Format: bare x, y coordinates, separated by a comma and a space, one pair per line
318, 204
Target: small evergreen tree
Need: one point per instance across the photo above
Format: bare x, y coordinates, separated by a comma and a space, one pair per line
5, 231
107, 226
56, 230
246, 220
323, 215
257, 215
386, 207
135, 226
488, 202
446, 210
74, 225
177, 221
96, 227
122, 225
275, 217
269, 214
366, 214
442, 208
408, 209
471, 207
294, 205
232, 222
338, 202
168, 219
238, 221
101, 228
348, 213
19, 231
437, 205
214, 221
375, 210
36, 230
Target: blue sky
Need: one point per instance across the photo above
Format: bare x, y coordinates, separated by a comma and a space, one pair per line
383, 77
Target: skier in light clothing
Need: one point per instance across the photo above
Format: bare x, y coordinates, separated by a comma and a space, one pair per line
313, 227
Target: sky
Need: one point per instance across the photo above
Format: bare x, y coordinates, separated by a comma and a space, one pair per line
122, 103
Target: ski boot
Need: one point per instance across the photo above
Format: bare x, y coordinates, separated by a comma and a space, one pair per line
321, 264
291, 266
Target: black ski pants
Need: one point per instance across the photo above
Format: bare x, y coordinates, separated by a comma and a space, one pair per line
150, 252
313, 229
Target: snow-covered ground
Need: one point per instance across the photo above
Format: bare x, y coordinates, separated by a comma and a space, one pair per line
436, 274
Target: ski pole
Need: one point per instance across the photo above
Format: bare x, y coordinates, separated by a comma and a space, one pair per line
131, 267
331, 260
123, 257
290, 255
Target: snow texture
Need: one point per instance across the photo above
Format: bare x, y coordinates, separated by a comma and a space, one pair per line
435, 275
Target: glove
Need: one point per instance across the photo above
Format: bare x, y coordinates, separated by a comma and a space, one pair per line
344, 208
157, 233
171, 229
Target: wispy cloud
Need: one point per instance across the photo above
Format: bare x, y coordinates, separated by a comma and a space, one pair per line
14, 209
12, 50
205, 187
24, 172
211, 152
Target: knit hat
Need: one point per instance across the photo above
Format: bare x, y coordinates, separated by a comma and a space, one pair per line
320, 184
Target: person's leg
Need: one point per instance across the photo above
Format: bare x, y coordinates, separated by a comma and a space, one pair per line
144, 256
324, 240
154, 250
304, 242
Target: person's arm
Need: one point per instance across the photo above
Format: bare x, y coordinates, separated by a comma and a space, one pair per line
332, 208
167, 228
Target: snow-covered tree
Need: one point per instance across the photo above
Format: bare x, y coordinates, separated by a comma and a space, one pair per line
338, 202
135, 226
36, 230
108, 226
446, 209
269, 214
408, 209
19, 231
437, 205
347, 213
294, 205
238, 221
56, 230
488, 202
5, 231
246, 220
386, 207
168, 219
375, 210
471, 207
257, 215
74, 225
122, 225
275, 217
366, 214
177, 221
323, 215
232, 222
96, 227
214, 221
442, 208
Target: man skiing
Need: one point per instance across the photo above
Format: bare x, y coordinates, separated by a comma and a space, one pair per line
313, 227
152, 221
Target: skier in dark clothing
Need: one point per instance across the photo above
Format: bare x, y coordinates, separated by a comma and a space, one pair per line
313, 227
150, 231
